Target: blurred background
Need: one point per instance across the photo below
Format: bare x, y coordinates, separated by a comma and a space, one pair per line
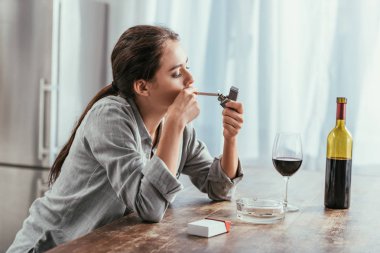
290, 60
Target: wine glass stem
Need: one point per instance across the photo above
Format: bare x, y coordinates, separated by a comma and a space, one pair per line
286, 192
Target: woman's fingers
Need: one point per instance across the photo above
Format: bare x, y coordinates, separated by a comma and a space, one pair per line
235, 106
233, 114
230, 129
233, 122
232, 118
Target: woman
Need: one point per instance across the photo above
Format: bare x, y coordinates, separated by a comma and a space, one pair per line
130, 146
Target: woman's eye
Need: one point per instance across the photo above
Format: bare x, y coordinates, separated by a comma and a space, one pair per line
177, 74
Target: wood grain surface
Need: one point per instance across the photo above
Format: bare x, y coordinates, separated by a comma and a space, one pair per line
312, 229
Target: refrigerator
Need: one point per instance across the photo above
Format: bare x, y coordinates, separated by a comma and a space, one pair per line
53, 60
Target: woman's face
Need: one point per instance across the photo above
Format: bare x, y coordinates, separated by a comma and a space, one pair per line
171, 77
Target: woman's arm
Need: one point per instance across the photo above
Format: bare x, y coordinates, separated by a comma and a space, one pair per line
147, 186
168, 147
232, 123
205, 172
183, 110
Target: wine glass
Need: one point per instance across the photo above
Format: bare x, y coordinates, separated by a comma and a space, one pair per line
287, 159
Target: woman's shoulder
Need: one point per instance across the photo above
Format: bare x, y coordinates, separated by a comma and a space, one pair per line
109, 104
110, 110
111, 101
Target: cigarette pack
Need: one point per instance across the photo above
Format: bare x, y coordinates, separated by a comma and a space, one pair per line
208, 227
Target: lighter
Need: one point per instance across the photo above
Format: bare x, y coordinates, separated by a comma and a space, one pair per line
231, 96
223, 99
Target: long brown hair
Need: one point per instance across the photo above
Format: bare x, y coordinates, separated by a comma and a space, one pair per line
135, 56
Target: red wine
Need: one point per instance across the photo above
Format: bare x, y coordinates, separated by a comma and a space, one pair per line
338, 183
287, 166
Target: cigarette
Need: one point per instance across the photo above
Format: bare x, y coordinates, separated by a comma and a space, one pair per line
206, 93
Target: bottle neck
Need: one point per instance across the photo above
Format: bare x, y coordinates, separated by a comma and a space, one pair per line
340, 114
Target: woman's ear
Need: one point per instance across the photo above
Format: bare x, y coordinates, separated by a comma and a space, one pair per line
141, 87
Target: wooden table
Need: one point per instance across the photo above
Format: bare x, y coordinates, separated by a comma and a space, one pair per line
312, 229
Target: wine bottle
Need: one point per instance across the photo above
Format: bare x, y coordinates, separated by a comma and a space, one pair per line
339, 161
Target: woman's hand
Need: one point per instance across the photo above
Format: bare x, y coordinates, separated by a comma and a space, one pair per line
232, 119
183, 110
185, 107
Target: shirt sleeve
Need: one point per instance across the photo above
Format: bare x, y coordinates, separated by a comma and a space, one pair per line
206, 173
111, 135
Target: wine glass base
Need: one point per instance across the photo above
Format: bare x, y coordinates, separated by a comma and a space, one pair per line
291, 208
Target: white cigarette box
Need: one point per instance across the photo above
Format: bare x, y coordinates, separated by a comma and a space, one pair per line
208, 227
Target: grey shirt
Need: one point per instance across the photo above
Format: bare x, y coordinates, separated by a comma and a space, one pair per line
112, 170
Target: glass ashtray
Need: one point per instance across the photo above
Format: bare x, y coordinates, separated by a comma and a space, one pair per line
260, 211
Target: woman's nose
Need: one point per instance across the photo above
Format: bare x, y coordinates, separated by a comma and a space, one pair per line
188, 80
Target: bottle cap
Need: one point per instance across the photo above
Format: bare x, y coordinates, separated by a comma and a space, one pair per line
341, 100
